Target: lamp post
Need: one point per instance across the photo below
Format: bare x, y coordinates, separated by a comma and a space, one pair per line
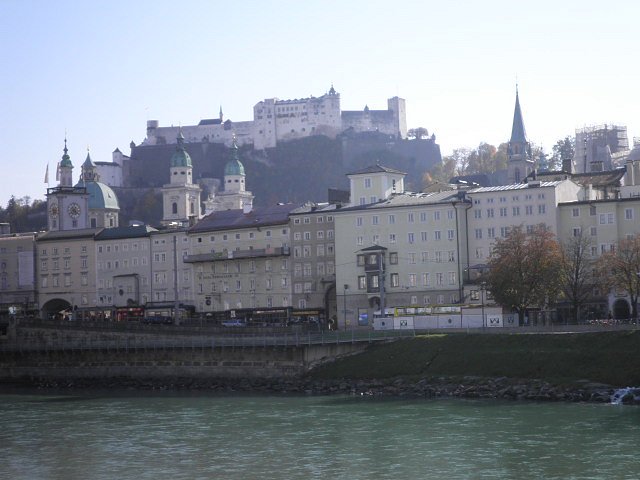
345, 287
482, 290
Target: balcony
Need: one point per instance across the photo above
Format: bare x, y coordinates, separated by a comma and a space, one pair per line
237, 255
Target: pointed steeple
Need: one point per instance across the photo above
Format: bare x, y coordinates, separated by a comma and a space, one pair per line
221, 116
65, 168
181, 158
89, 170
518, 133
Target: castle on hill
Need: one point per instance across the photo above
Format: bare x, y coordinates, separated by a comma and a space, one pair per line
277, 120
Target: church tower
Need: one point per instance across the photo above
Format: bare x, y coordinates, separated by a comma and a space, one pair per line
181, 197
67, 206
520, 162
234, 196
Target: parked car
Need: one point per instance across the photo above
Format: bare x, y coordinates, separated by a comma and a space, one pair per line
234, 323
158, 320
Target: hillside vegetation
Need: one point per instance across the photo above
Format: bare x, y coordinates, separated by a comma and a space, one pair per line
610, 357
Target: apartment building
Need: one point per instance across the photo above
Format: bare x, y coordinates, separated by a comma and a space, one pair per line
401, 249
242, 264
313, 263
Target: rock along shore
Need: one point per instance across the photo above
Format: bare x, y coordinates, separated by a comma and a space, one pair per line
426, 387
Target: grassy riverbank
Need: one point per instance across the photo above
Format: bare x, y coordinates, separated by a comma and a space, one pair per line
608, 357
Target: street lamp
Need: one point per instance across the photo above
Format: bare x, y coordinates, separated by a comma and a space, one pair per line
483, 286
345, 287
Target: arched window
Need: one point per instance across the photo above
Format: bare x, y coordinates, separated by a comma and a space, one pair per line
516, 175
191, 208
174, 208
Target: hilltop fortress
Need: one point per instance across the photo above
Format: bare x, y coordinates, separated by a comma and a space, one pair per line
277, 120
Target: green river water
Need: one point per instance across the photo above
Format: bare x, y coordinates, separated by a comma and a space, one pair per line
170, 436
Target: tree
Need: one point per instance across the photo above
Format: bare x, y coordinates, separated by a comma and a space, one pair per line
620, 269
563, 149
524, 269
481, 160
451, 165
576, 272
418, 133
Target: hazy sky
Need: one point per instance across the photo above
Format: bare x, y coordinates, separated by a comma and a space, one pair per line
101, 69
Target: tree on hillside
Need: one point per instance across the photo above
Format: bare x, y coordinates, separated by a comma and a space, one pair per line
451, 165
576, 272
620, 269
481, 160
417, 133
563, 149
524, 269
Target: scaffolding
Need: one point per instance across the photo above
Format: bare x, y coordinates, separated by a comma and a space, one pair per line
599, 146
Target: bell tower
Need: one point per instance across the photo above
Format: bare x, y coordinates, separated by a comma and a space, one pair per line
520, 162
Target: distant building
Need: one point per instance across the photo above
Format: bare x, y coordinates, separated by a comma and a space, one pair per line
18, 289
234, 195
277, 120
87, 204
181, 197
600, 148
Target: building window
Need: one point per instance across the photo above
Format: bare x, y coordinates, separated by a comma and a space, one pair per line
410, 237
395, 280
392, 219
393, 258
362, 282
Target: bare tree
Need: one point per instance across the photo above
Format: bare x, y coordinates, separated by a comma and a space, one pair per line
576, 272
524, 269
620, 269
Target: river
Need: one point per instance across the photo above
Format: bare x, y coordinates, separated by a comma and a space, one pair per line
170, 436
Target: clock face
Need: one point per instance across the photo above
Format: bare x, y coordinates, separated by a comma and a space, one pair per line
53, 209
74, 210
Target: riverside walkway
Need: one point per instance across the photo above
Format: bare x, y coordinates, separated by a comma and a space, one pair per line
45, 336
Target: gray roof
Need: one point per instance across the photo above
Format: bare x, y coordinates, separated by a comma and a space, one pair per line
135, 231
236, 219
68, 234
515, 186
410, 200
376, 169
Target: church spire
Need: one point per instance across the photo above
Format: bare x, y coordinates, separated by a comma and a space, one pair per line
518, 133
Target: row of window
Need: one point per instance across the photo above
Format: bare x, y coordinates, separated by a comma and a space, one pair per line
67, 280
371, 282
306, 269
321, 250
307, 220
320, 235
515, 211
252, 286
514, 198
238, 236
411, 218
66, 251
66, 262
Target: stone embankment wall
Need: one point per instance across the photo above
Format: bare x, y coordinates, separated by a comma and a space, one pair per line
75, 353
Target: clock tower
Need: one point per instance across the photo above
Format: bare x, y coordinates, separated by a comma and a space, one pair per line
67, 206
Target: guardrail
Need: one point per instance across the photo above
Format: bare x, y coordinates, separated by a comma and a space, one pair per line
238, 340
